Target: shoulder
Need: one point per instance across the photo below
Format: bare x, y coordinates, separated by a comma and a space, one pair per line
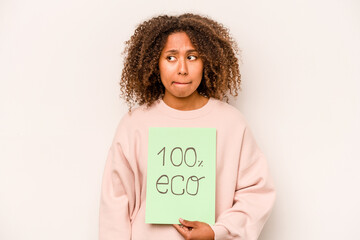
136, 117
228, 113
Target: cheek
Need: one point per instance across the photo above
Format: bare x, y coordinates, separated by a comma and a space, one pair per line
161, 68
199, 70
200, 67
165, 70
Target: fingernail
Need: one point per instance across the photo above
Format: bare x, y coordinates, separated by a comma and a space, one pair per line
180, 219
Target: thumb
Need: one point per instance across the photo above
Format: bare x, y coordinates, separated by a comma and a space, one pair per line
187, 223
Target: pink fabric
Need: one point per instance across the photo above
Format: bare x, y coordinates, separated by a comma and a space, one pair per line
244, 190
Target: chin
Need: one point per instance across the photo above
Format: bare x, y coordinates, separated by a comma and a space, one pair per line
182, 95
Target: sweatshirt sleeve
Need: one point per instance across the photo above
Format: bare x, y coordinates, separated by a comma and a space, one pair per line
117, 196
253, 198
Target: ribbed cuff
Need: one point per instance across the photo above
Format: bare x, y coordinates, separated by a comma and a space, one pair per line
221, 232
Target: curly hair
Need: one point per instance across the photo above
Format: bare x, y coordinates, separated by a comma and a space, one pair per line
140, 79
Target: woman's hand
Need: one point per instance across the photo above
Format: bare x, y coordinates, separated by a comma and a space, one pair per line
194, 230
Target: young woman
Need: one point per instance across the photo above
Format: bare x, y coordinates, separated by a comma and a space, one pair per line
179, 69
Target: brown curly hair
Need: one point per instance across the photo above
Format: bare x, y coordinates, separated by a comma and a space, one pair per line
140, 79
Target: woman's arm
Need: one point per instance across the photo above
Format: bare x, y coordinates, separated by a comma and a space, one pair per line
252, 204
254, 196
116, 196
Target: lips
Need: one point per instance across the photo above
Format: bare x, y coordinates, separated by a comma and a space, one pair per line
181, 83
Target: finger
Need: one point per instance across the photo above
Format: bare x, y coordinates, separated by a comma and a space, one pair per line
186, 223
184, 231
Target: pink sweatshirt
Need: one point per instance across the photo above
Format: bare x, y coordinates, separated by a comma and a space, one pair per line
244, 190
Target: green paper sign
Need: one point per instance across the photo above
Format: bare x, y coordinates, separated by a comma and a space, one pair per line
181, 171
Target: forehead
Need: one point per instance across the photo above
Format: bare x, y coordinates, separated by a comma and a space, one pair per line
178, 41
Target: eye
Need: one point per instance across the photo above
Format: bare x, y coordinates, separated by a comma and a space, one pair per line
192, 57
170, 58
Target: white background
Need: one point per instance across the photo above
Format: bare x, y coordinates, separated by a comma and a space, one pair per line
60, 64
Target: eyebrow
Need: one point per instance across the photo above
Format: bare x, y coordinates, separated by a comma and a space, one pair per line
176, 51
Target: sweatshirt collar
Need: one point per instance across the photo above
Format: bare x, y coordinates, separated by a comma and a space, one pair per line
180, 114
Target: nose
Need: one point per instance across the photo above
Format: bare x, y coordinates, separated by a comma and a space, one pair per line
182, 68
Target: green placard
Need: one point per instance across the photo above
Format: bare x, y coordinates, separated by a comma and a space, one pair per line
181, 171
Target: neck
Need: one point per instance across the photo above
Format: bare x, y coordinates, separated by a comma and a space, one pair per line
192, 102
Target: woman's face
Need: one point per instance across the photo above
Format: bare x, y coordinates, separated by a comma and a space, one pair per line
181, 68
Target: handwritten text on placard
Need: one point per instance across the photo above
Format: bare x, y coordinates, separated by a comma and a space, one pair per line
181, 175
